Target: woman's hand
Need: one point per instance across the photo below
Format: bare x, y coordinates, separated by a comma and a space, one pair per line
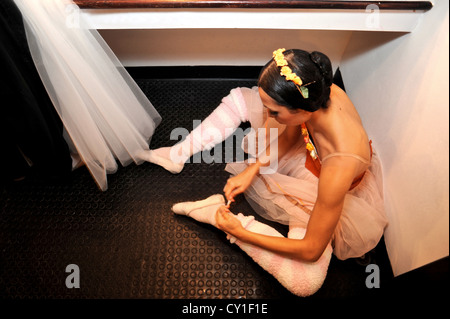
239, 183
227, 222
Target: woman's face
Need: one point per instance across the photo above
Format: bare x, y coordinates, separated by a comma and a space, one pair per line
281, 113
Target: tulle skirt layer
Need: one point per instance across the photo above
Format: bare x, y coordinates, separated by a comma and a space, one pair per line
288, 196
106, 116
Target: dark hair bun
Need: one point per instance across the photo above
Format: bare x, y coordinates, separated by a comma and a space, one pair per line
324, 65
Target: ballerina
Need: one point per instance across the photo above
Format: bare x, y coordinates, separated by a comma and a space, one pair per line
328, 183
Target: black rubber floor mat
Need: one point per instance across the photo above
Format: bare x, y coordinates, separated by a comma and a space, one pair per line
126, 242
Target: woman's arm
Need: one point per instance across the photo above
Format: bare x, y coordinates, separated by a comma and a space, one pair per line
287, 137
335, 180
290, 248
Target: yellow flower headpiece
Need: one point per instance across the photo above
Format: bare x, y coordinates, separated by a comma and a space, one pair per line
286, 71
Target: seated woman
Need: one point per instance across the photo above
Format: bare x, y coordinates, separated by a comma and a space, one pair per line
327, 185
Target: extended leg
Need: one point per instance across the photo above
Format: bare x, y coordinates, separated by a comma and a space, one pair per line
219, 125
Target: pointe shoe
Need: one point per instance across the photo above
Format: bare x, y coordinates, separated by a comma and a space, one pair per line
172, 167
153, 157
186, 208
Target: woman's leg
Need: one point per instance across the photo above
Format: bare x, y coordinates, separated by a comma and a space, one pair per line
301, 278
218, 126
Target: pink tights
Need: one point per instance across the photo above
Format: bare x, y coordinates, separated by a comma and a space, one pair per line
299, 277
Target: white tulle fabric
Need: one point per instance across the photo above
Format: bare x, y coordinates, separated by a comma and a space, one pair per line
363, 217
104, 112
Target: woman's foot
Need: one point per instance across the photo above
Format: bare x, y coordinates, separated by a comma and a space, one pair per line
203, 210
163, 157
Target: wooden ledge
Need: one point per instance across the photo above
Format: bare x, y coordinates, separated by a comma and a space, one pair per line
255, 4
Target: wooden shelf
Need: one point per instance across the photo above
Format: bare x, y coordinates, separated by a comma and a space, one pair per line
396, 16
262, 4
